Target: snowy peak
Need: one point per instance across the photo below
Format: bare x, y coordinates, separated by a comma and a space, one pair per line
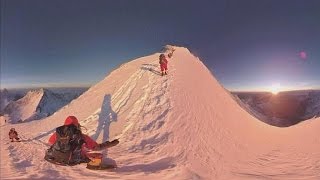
36, 104
4, 99
24, 108
4, 92
313, 105
159, 117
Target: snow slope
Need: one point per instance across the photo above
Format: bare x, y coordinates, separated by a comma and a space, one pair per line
181, 126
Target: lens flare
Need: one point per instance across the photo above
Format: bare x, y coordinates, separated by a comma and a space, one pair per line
303, 55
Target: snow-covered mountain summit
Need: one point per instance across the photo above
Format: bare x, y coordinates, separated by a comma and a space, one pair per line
36, 104
184, 125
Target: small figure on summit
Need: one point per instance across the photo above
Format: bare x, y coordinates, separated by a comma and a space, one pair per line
163, 64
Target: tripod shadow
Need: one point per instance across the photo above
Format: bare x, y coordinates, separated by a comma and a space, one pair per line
106, 116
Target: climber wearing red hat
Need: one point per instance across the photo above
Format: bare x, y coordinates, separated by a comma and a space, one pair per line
69, 145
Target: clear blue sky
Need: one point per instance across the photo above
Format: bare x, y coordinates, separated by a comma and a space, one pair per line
247, 44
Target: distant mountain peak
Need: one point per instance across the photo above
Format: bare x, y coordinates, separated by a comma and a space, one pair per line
36, 104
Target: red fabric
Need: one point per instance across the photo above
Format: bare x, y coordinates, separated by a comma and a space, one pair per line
164, 61
89, 143
71, 120
163, 64
52, 139
163, 67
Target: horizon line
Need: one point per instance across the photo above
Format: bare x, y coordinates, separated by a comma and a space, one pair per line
47, 87
89, 85
267, 91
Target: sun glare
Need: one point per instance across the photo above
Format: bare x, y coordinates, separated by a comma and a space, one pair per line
275, 88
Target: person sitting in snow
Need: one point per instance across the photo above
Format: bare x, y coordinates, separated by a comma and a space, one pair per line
163, 64
13, 135
69, 145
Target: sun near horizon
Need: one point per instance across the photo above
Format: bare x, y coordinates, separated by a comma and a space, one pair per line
275, 88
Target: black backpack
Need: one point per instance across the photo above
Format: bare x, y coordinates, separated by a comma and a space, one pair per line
67, 148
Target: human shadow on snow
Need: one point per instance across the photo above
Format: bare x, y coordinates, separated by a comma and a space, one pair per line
106, 116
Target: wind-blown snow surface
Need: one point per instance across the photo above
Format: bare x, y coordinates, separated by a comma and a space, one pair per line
181, 126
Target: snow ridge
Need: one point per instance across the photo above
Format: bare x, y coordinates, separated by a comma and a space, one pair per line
181, 126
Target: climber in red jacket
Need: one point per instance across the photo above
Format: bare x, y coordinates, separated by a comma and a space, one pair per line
163, 64
69, 145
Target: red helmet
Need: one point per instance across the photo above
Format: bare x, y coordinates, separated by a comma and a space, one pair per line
71, 120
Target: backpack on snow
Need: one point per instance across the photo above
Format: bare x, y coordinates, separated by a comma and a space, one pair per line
67, 148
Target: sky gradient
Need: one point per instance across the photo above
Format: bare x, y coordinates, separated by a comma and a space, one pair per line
247, 44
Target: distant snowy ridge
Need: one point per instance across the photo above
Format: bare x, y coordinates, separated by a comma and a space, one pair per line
313, 105
246, 105
36, 104
4, 99
282, 110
